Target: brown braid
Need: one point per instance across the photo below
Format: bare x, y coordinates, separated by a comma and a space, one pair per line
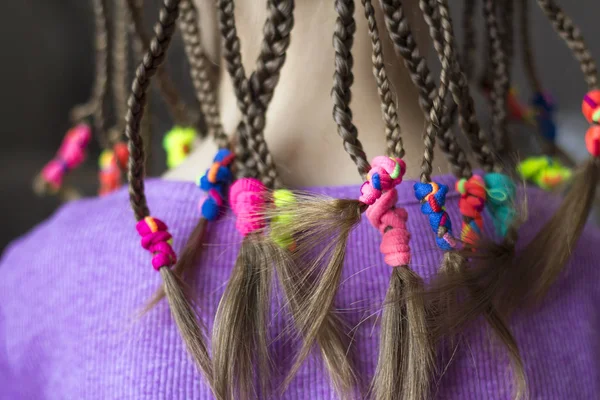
254, 94
405, 45
393, 135
119, 62
155, 55
176, 106
263, 81
528, 59
199, 70
500, 80
341, 93
574, 39
95, 106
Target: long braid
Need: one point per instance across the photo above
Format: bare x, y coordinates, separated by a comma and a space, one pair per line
563, 24
95, 106
459, 163
255, 93
263, 81
343, 78
500, 80
405, 45
153, 231
199, 70
175, 104
393, 134
245, 165
119, 61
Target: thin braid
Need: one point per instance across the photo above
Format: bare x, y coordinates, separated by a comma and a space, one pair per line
563, 24
341, 93
405, 45
393, 134
176, 106
528, 58
469, 35
446, 41
462, 97
119, 62
500, 81
155, 55
255, 94
199, 70
95, 106
264, 80
245, 165
449, 144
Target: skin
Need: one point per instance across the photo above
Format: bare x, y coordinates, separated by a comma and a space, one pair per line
300, 131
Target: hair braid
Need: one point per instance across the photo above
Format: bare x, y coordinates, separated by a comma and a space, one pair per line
155, 55
199, 70
263, 82
404, 43
393, 134
254, 94
119, 62
244, 162
574, 39
343, 38
95, 105
176, 106
500, 81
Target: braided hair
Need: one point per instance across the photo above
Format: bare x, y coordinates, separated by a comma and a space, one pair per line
155, 235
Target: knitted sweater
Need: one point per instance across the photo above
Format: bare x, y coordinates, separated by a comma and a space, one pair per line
72, 289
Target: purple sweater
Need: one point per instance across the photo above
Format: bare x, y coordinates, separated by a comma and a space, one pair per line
71, 291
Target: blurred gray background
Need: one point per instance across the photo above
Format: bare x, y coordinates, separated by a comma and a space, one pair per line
48, 67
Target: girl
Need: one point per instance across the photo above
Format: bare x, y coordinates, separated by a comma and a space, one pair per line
72, 288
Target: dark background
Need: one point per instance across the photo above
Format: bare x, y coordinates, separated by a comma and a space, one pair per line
47, 67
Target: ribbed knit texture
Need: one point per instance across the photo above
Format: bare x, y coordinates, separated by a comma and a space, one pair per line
71, 290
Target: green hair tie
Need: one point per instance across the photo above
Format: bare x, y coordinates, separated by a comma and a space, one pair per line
280, 224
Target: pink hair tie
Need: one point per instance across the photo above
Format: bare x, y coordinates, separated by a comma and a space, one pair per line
157, 240
247, 200
391, 222
385, 174
69, 156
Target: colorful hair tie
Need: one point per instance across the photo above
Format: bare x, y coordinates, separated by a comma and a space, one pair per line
111, 163
544, 115
384, 175
247, 200
501, 193
471, 204
157, 240
70, 155
391, 222
544, 172
178, 143
280, 224
433, 198
215, 182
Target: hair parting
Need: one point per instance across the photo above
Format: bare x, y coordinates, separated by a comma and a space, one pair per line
154, 233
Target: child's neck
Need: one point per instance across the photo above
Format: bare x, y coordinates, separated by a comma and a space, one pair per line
300, 131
